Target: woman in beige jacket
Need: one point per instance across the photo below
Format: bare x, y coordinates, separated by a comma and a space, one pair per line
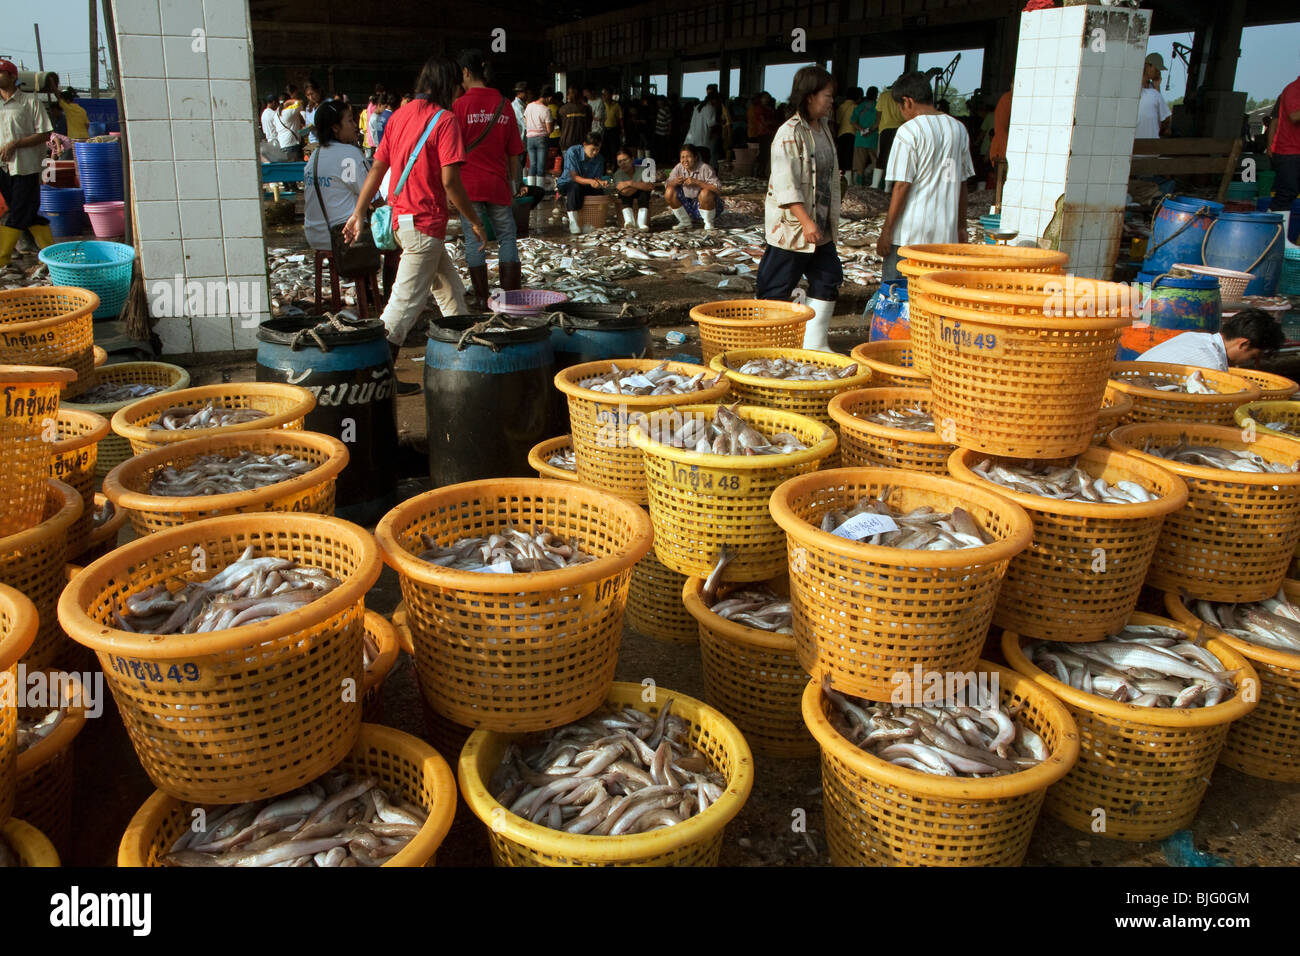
801, 214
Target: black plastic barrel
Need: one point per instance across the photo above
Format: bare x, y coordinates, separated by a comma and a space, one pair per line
591, 332
486, 398
350, 373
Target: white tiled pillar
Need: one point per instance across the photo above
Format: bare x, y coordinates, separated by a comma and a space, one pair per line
187, 68
1073, 114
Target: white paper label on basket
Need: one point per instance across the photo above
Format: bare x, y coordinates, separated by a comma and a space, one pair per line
501, 567
864, 526
566, 262
637, 381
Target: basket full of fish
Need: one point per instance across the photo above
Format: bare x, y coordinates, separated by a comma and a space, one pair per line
52, 326
1235, 538
447, 737
515, 590
389, 802
1153, 705
749, 324
114, 387
1271, 418
45, 761
30, 402
711, 470
890, 428
239, 473
636, 783
1272, 387
72, 460
606, 397
1114, 409
17, 631
891, 362
33, 561
1265, 743
1020, 361
893, 570
229, 645
1097, 519
1162, 392
654, 603
935, 780
554, 458
747, 654
206, 410
793, 380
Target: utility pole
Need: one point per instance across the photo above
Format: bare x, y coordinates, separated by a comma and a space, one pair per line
94, 50
40, 59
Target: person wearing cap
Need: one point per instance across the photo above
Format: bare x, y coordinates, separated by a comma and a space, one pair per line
1153, 111
519, 104
24, 129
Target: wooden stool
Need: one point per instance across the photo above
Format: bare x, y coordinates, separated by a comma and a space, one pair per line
367, 288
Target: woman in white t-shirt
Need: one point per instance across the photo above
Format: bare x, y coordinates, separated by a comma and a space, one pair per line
338, 167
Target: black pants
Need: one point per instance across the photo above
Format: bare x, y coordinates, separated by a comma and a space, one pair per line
780, 271
22, 194
574, 193
886, 143
763, 162
609, 146
1287, 184
844, 151
638, 200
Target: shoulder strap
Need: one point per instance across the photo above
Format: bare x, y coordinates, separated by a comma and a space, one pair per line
491, 123
410, 162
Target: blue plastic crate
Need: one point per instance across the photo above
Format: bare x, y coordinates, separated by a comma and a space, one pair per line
1289, 283
283, 172
104, 268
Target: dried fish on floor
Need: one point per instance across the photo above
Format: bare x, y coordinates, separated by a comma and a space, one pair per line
911, 417
1272, 623
1062, 482
792, 371
1212, 456
757, 606
32, 732
107, 392
656, 381
875, 521
725, 434
211, 415
508, 551
222, 474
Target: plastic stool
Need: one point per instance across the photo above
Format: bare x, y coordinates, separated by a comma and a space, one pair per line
367, 288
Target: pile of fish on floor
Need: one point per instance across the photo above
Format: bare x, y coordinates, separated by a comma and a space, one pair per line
508, 551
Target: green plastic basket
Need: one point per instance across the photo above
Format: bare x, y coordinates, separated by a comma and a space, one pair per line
102, 267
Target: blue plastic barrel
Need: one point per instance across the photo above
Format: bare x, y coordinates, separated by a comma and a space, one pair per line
1248, 242
1177, 230
990, 224
591, 331
97, 129
1189, 304
1293, 229
889, 312
99, 170
64, 209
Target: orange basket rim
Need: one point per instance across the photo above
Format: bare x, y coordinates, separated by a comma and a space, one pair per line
796, 313
1251, 392
866, 352
538, 454
719, 363
819, 449
1121, 403
72, 723
939, 255
1279, 381
801, 532
131, 472
405, 639
132, 851
1057, 765
58, 523
180, 375
37, 375
1179, 611
109, 528
385, 635
1245, 414
846, 419
567, 382
1128, 437
79, 626
961, 462
98, 428
693, 599
198, 395
23, 613
404, 562
1028, 322
31, 842
100, 355
90, 302
1182, 718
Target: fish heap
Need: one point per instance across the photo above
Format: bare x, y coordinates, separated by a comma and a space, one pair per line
655, 381
911, 417
222, 474
509, 551
247, 591
1272, 623
107, 392
757, 606
792, 371
1212, 456
292, 278
950, 741
1064, 483
726, 434
32, 732
1193, 384
608, 775
1147, 665
875, 521
211, 415
565, 458
334, 821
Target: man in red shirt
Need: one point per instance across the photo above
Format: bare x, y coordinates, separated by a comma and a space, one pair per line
1286, 148
491, 171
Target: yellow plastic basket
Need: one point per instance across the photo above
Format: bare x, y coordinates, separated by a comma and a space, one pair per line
127, 485
868, 444
1114, 408
654, 603
17, 631
749, 324
1272, 388
605, 455
384, 634
29, 404
31, 845
287, 406
103, 538
1153, 405
72, 460
754, 677
1266, 742
45, 771
863, 614
891, 363
1145, 768
1080, 578
406, 767
251, 711
447, 736
114, 449
1234, 539
1265, 414
516, 652
881, 814
50, 325
694, 842
701, 502
539, 453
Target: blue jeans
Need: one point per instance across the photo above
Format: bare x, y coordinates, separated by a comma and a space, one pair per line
503, 224
537, 148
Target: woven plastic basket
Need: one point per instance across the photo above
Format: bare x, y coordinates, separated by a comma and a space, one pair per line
1153, 405
384, 634
881, 814
1234, 539
406, 767
516, 652
33, 560
701, 502
1266, 742
49, 325
606, 457
1266, 414
891, 363
17, 631
749, 324
1080, 578
114, 449
127, 485
539, 453
287, 406
594, 212
1113, 409
72, 460
869, 444
45, 771
447, 736
27, 430
525, 301
1232, 282
103, 538
1020, 360
251, 711
1272, 388
101, 356
1145, 768
654, 603
103, 268
694, 842
754, 677
31, 845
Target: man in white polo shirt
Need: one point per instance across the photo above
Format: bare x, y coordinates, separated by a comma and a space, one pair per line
1241, 339
929, 164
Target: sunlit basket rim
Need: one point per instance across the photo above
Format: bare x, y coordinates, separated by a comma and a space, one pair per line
89, 305
693, 598
1004, 302
97, 430
58, 523
74, 719
796, 313
1129, 438
823, 447
386, 636
29, 841
1245, 414
567, 382
23, 613
1179, 611
1266, 381
1141, 391
845, 419
539, 453
161, 401
36, 375
913, 259
719, 363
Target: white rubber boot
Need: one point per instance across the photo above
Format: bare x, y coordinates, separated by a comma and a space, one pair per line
683, 220
816, 334
573, 222
877, 178
628, 222
643, 218
708, 216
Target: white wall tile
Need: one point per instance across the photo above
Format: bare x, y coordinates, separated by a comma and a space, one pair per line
252, 290
1067, 83
226, 18
145, 100
157, 219
213, 333
151, 139
245, 256
196, 179
162, 258
1116, 195
200, 219
1076, 191
1085, 113
1099, 168
246, 330
1069, 52
1119, 168
238, 180
1031, 25
180, 17
1090, 81
227, 57
1045, 53
152, 180
1023, 84
181, 60
1098, 194
177, 339
140, 55
189, 99
136, 16
1035, 166
1017, 138
192, 139
241, 218
204, 257
236, 140
1126, 112
1058, 140
232, 99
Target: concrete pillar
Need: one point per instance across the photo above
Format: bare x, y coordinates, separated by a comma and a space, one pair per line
674, 77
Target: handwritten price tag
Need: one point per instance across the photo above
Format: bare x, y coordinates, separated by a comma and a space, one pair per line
864, 526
